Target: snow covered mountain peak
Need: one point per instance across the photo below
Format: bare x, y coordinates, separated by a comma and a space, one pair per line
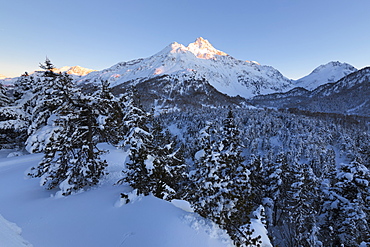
173, 48
199, 61
201, 48
334, 65
326, 73
74, 70
2, 77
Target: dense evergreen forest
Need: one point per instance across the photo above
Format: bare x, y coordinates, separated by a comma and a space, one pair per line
306, 174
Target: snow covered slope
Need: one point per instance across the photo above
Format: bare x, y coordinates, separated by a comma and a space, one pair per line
199, 60
327, 73
349, 95
344, 84
94, 218
10, 235
2, 77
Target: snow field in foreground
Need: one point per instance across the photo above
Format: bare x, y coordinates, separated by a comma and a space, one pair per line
91, 218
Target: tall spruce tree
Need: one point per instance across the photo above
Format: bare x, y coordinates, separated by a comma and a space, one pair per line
47, 95
302, 207
169, 169
155, 164
111, 115
138, 142
204, 195
239, 186
221, 182
71, 158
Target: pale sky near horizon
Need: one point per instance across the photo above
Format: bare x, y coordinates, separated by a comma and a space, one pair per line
293, 36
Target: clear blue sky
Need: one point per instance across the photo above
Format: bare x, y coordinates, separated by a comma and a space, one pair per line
294, 36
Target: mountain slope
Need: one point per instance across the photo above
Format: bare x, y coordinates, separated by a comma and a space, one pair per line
10, 234
201, 61
349, 95
344, 84
327, 73
166, 93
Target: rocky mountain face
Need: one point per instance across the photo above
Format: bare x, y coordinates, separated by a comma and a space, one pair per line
349, 95
202, 62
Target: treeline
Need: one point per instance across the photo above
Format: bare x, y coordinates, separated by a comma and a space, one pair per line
343, 119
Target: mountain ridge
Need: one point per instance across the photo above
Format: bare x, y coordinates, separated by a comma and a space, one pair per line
201, 60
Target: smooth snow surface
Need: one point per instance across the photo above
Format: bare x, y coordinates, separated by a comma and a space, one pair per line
10, 235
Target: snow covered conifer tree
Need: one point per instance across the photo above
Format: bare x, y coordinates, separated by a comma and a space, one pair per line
239, 185
168, 174
138, 142
14, 121
9, 132
47, 96
302, 206
111, 114
257, 181
71, 158
271, 190
41, 101
205, 180
275, 193
4, 99
222, 189
23, 85
154, 164
48, 66
346, 206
